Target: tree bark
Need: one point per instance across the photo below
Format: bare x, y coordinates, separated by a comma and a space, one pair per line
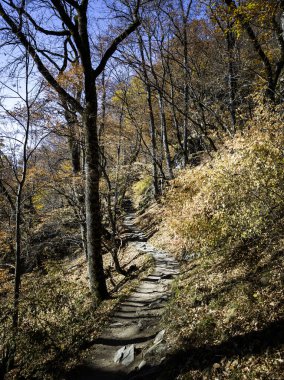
74, 145
164, 134
92, 200
152, 126
232, 77
185, 89
152, 130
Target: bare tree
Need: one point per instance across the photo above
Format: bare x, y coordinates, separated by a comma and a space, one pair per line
73, 16
273, 70
23, 137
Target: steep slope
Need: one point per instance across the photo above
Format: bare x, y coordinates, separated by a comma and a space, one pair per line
224, 221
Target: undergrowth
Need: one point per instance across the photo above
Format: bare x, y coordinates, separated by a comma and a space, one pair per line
233, 198
224, 220
57, 320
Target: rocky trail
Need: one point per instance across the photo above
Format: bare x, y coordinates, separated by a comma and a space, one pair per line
133, 346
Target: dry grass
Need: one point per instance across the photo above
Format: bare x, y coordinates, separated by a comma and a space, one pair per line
226, 317
224, 221
57, 320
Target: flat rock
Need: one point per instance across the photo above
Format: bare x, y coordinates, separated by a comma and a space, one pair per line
125, 355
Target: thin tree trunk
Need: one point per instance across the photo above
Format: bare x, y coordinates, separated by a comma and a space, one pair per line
18, 249
83, 230
232, 77
152, 126
185, 91
152, 130
21, 179
10, 359
103, 107
271, 76
113, 216
164, 134
74, 145
175, 118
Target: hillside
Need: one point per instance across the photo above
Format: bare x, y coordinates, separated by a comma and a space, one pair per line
141, 189
224, 221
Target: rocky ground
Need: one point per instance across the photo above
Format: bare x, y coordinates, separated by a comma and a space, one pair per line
132, 346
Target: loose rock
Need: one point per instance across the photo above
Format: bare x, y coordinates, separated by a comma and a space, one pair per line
125, 355
159, 337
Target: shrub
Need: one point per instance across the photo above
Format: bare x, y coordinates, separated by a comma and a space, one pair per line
142, 191
56, 318
235, 197
140, 187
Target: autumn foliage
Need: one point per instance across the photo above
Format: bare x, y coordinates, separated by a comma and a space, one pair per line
226, 219
235, 196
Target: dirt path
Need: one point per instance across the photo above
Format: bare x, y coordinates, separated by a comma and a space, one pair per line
132, 346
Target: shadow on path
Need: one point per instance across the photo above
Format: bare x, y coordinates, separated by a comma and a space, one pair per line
135, 322
122, 342
88, 372
255, 342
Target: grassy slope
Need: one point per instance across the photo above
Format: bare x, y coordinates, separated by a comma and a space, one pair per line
224, 220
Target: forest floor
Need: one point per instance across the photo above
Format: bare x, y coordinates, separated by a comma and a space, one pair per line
132, 346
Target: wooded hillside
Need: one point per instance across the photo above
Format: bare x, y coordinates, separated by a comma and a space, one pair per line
154, 122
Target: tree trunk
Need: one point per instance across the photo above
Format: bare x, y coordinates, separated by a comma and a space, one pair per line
153, 140
17, 281
232, 77
92, 200
74, 145
185, 91
152, 126
271, 81
83, 231
164, 134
